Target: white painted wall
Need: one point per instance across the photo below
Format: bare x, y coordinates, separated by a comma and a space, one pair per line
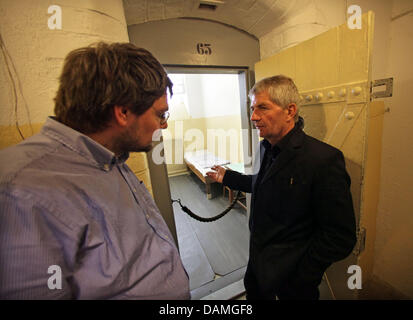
195, 95
315, 17
38, 52
220, 95
206, 96
393, 44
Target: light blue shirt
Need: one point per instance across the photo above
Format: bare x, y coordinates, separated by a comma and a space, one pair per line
67, 201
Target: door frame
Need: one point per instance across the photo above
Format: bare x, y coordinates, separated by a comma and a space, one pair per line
158, 172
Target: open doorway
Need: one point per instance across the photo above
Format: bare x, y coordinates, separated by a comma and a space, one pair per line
207, 127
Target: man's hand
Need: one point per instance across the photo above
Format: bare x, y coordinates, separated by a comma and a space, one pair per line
218, 174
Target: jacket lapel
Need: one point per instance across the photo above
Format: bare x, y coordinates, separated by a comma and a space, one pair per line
256, 166
286, 156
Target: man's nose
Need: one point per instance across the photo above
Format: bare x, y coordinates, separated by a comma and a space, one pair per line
254, 116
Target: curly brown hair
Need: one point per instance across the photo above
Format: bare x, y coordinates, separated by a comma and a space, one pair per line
98, 77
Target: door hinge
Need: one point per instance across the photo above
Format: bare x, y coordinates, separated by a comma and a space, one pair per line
361, 241
388, 92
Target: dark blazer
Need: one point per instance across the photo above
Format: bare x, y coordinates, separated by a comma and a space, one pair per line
302, 218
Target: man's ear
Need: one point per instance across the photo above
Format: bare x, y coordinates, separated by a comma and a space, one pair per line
121, 115
292, 110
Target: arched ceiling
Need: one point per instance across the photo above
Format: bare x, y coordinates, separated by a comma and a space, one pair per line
257, 17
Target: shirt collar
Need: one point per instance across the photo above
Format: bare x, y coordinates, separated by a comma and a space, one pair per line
82, 144
282, 144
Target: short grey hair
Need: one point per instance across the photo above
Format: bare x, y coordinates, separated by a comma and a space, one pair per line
281, 90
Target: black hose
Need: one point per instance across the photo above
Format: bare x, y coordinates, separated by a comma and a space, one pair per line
202, 219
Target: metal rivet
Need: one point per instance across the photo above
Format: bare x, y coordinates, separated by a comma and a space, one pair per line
319, 96
356, 91
106, 167
349, 115
342, 92
331, 94
309, 97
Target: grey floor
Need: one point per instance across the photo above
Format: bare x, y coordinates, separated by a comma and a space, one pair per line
208, 250
214, 254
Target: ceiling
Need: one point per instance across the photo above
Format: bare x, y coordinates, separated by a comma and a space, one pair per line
257, 17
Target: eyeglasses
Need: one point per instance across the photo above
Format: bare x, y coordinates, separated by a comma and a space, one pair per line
164, 117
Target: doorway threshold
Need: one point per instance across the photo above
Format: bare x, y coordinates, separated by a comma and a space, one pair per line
226, 287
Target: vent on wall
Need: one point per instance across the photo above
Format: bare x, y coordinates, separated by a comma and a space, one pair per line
210, 5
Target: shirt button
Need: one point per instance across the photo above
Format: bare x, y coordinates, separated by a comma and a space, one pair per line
134, 190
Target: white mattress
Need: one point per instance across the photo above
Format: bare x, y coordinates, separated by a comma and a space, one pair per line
203, 160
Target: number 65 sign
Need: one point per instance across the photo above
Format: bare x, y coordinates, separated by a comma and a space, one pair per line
204, 48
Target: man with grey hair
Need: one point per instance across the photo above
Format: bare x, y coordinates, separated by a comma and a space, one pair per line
302, 218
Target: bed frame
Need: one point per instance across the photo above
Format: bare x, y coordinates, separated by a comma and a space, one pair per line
200, 170
203, 177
